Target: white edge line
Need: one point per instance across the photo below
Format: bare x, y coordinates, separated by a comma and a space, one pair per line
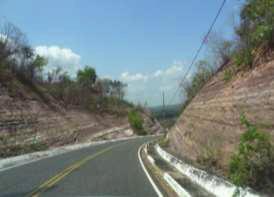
159, 193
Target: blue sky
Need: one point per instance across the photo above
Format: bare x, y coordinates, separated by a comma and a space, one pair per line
130, 40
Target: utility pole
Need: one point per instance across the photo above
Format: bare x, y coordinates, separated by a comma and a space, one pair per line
164, 110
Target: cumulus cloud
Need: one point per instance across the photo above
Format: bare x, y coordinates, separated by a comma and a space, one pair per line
158, 73
64, 58
127, 77
147, 88
171, 71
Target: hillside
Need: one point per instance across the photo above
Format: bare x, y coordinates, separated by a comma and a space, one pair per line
40, 109
226, 126
31, 119
208, 132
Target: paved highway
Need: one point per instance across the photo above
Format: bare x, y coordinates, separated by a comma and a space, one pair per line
110, 169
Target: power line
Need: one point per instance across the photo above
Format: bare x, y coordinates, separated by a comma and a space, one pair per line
198, 50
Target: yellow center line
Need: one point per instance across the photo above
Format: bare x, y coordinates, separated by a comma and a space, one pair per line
58, 177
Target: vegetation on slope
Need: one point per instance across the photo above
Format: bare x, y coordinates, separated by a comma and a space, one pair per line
253, 163
22, 75
136, 122
254, 41
86, 91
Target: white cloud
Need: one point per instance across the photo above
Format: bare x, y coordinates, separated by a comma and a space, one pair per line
173, 69
144, 87
57, 56
158, 73
127, 77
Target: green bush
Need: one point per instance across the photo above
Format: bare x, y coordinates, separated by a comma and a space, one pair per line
228, 75
136, 122
257, 19
86, 77
243, 58
255, 29
253, 163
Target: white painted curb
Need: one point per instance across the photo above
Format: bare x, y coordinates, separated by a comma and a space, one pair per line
213, 184
159, 193
180, 191
152, 161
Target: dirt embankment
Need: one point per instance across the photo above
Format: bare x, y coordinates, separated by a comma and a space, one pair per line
26, 119
33, 120
210, 125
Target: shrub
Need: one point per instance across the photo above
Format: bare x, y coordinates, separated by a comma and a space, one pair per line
227, 75
164, 142
136, 122
220, 48
253, 163
243, 58
201, 77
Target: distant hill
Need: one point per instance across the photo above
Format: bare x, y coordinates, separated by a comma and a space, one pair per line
169, 111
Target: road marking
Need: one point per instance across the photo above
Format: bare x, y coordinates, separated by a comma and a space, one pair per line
159, 193
58, 177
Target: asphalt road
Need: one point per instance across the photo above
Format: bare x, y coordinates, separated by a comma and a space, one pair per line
110, 169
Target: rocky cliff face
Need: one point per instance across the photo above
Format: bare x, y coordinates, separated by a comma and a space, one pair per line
210, 125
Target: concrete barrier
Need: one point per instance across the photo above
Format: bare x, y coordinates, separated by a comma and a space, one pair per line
180, 191
211, 183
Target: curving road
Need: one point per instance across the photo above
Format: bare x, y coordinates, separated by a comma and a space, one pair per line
110, 169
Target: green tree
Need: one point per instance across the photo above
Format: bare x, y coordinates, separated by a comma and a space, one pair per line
136, 122
37, 66
256, 29
257, 19
87, 77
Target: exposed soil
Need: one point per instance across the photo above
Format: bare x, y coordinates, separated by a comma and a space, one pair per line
210, 125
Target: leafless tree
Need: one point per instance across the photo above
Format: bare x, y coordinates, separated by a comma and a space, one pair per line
220, 48
12, 41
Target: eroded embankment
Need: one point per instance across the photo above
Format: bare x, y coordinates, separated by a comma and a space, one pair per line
209, 128
29, 123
